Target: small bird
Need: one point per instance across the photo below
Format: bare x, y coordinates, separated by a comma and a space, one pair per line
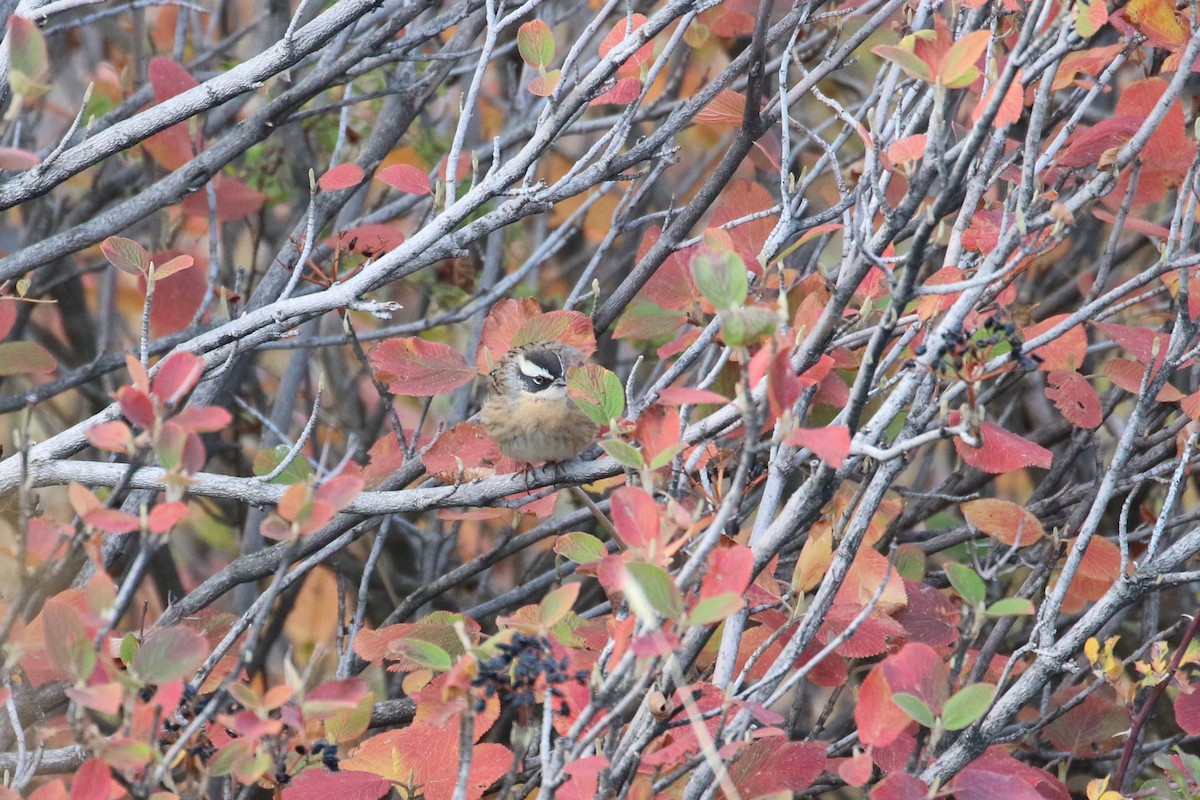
528, 412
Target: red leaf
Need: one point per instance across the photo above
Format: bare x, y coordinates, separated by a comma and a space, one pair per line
8, 317
1187, 711
623, 92
405, 177
730, 570
165, 516
177, 375
996, 774
1087, 145
1093, 726
93, 781
340, 492
235, 200
910, 148
831, 443
464, 447
1010, 107
427, 756
343, 176
1066, 353
136, 407
725, 111
321, 784
1145, 227
1170, 147
618, 34
203, 419
168, 78
1128, 375
177, 298
776, 766
636, 517
502, 323
1075, 398
567, 327
416, 368
743, 198
671, 286
1000, 451
1140, 342
879, 720
110, 520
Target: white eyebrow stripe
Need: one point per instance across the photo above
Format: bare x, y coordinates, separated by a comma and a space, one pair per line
532, 370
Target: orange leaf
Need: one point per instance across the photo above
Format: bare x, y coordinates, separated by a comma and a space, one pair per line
1008, 522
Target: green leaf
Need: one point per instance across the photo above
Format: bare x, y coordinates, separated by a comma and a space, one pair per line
582, 548
24, 358
715, 609
28, 60
129, 648
967, 705
721, 277
744, 326
169, 654
667, 455
1011, 607
626, 454
555, 606
969, 585
126, 255
425, 654
535, 42
915, 708
651, 590
296, 472
597, 392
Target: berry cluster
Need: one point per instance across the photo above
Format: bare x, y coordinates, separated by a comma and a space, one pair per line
963, 354
513, 673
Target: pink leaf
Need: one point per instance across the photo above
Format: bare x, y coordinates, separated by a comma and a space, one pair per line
405, 177
321, 784
831, 443
899, 786
177, 375
686, 396
343, 176
203, 419
112, 436
636, 517
416, 368
110, 520
16, 159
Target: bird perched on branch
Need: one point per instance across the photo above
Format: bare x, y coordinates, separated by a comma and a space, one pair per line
528, 412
